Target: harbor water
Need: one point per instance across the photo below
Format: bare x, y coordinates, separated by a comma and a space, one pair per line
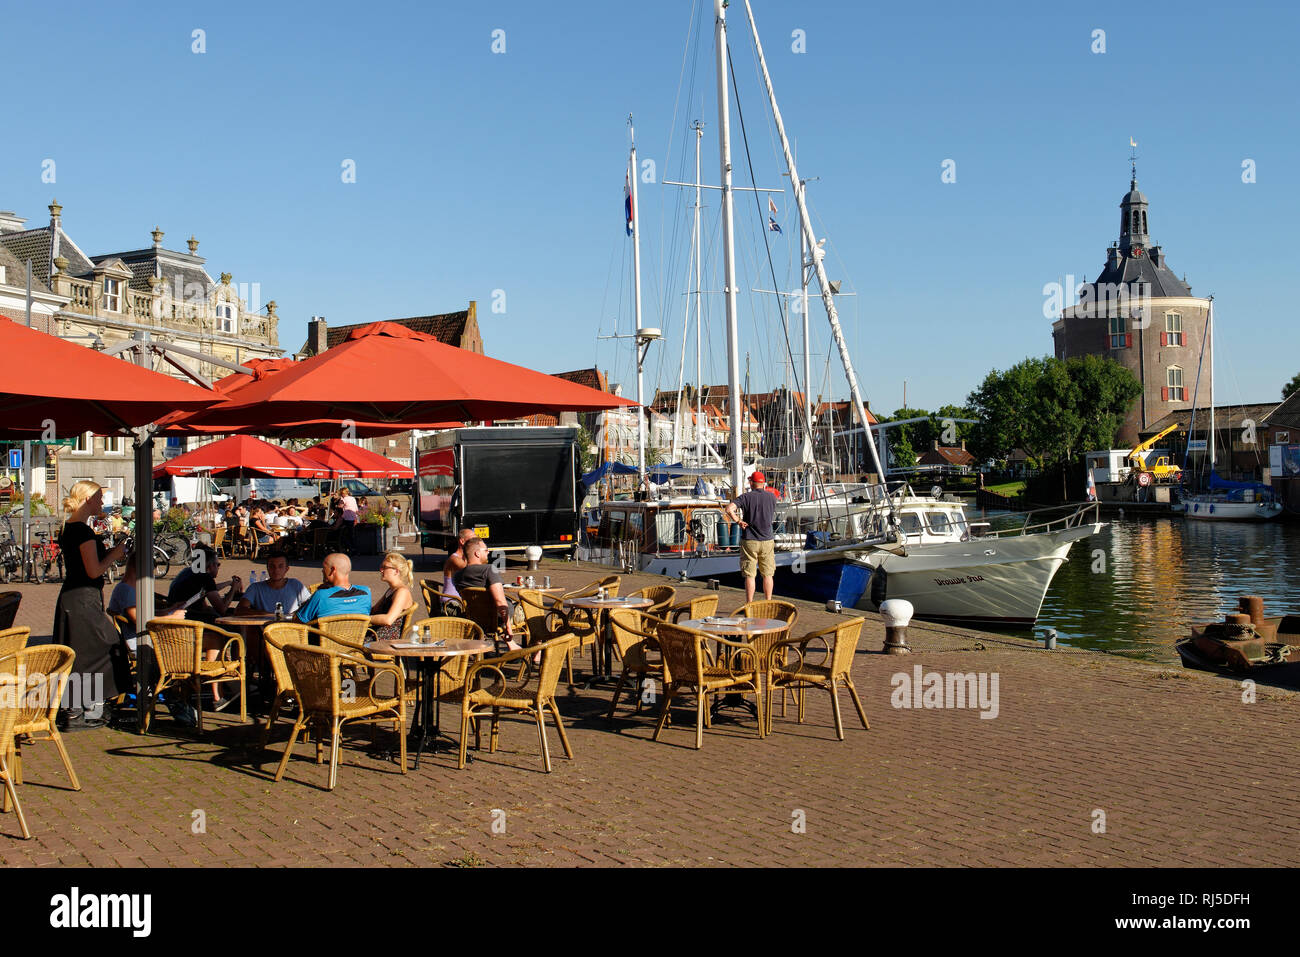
1138, 586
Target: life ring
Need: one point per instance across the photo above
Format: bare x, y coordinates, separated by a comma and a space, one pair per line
1144, 479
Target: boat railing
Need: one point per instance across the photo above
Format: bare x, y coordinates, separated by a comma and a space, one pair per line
1072, 516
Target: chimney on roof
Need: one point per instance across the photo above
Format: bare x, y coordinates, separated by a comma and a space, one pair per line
157, 235
193, 244
317, 338
56, 215
10, 222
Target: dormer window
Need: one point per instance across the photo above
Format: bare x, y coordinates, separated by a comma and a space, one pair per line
112, 294
226, 321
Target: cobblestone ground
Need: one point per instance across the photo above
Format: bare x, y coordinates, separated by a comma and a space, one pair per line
1092, 759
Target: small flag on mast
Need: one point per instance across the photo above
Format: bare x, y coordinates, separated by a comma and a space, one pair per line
771, 206
773, 225
627, 202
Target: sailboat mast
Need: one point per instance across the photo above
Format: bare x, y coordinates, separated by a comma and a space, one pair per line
699, 336
636, 286
728, 245
805, 222
807, 360
1211, 317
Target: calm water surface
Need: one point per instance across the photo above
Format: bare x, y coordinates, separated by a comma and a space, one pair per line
1162, 574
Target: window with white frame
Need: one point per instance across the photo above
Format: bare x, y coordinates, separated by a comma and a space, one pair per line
1173, 329
112, 294
85, 444
1174, 381
114, 445
226, 318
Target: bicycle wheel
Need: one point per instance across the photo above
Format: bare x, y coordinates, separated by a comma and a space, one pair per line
162, 563
36, 571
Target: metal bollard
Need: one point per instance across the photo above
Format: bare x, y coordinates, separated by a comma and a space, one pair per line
713, 584
1049, 638
834, 606
534, 555
897, 613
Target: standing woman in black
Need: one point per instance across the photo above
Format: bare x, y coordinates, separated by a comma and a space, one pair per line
80, 621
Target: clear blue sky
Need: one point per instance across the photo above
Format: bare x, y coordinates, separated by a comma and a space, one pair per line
479, 171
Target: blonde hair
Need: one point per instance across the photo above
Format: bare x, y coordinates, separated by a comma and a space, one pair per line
78, 495
405, 567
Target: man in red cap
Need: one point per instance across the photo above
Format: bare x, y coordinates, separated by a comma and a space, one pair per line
754, 511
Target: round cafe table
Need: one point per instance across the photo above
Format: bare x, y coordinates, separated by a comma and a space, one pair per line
595, 607
744, 629
428, 704
250, 627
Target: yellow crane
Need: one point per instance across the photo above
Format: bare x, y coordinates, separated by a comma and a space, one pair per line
1159, 472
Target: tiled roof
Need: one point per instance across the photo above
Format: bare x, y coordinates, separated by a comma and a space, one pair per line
1225, 417
946, 455
1286, 415
186, 280
34, 244
1129, 269
448, 327
591, 378
16, 272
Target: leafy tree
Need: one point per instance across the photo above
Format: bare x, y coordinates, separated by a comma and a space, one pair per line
960, 431
1292, 387
1000, 404
586, 449
904, 440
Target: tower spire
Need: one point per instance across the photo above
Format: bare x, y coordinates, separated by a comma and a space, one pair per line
1133, 163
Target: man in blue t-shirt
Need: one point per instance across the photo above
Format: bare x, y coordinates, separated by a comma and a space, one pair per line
754, 512
337, 596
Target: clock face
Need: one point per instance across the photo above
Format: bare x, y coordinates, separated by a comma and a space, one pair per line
1137, 250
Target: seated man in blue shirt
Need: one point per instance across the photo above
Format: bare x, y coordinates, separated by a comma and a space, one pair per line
337, 596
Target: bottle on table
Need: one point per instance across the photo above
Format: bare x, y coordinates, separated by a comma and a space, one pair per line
279, 611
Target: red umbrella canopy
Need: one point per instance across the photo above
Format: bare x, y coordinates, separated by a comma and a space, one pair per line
246, 455
50, 382
388, 374
344, 458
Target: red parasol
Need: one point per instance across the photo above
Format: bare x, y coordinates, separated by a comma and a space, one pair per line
243, 455
344, 458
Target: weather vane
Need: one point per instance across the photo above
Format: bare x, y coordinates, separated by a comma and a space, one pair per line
1133, 157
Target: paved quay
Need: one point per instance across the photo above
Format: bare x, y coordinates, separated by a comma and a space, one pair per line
1091, 759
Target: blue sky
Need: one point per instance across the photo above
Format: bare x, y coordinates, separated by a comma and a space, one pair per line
478, 172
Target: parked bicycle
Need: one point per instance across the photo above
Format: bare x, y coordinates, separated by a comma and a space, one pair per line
45, 557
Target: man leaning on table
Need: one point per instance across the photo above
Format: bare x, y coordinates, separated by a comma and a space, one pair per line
754, 511
337, 596
276, 588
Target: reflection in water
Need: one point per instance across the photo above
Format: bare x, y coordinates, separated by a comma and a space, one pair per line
1162, 574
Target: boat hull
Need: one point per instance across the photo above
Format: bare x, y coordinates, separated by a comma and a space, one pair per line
986, 581
1219, 511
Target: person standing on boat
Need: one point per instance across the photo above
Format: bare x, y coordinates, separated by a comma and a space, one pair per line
754, 511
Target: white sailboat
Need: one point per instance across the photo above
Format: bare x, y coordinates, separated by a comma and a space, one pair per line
1226, 501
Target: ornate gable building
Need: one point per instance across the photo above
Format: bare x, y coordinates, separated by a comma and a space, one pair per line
1139, 313
104, 299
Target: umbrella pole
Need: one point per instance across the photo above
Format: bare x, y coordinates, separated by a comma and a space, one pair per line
144, 586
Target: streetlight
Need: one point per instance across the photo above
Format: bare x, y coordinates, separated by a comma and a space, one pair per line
643, 337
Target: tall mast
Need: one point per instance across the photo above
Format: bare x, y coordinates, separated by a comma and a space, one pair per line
1212, 385
807, 361
805, 222
728, 245
636, 286
699, 336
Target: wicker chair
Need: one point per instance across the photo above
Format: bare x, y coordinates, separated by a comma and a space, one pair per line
771, 608
178, 655
530, 693
840, 641
481, 608
10, 689
634, 637
276, 636
13, 640
219, 541
701, 606
9, 602
451, 677
343, 633
689, 669
661, 595
318, 682
438, 602
37, 677
584, 623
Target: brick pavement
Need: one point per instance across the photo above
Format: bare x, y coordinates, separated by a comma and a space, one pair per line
1160, 751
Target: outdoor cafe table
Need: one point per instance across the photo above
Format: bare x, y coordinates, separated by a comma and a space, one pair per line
428, 704
594, 607
744, 629
247, 626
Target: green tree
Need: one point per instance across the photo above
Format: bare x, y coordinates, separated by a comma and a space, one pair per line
586, 449
1292, 387
905, 440
960, 430
1000, 404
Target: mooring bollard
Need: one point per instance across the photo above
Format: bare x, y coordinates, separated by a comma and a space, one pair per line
1252, 605
1049, 638
897, 613
834, 606
534, 556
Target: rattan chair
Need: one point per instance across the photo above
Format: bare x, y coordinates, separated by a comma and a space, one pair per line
276, 636
701, 606
177, 645
451, 676
584, 624
482, 609
318, 678
634, 637
9, 602
11, 690
661, 595
37, 678
13, 640
439, 602
841, 641
763, 643
345, 633
219, 541
690, 670
488, 690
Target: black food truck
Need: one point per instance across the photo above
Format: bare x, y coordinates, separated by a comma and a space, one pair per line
514, 486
